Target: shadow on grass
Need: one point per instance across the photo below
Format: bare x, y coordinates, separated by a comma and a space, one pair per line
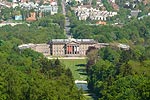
83, 73
81, 65
92, 95
81, 69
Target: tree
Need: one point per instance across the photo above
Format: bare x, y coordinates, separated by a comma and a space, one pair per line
6, 13
57, 62
92, 54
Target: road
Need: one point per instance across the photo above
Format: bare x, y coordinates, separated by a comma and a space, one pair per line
63, 7
67, 21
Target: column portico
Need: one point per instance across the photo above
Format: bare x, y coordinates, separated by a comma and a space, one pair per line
72, 49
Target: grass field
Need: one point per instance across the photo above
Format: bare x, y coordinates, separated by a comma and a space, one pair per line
77, 66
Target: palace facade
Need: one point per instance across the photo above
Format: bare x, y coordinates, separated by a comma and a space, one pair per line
62, 47
70, 47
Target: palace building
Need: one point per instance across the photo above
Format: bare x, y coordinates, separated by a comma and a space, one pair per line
62, 47
70, 47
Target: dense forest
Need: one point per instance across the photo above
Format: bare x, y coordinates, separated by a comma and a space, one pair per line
121, 74
28, 75
115, 74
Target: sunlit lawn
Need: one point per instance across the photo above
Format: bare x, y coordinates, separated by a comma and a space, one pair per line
77, 66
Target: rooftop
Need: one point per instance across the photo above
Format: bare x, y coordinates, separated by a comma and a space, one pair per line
72, 40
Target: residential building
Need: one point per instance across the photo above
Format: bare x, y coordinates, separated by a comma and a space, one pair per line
18, 17
84, 12
32, 17
112, 1
49, 8
134, 13
101, 22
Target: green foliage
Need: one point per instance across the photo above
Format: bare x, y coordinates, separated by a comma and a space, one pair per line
110, 55
94, 3
92, 58
59, 6
134, 31
127, 88
120, 75
122, 16
115, 74
6, 13
107, 5
59, 19
27, 75
38, 32
73, 3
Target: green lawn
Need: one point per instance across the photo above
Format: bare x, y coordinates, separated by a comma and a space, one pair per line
77, 66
